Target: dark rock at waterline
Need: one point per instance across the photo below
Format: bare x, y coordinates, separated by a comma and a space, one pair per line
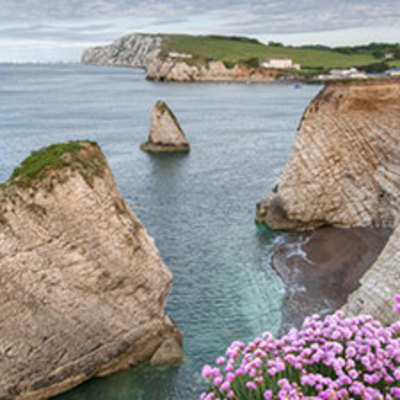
320, 269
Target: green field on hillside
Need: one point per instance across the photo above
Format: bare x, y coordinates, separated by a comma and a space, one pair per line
235, 49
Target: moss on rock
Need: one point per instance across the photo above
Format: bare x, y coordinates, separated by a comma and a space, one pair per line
81, 156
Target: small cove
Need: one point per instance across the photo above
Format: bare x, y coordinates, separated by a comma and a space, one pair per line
199, 207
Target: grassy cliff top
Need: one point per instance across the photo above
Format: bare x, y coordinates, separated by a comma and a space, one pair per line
83, 156
234, 49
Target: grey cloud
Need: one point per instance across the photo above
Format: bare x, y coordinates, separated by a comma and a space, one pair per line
234, 16
252, 17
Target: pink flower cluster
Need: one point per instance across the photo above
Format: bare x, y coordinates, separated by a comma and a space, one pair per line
328, 359
397, 303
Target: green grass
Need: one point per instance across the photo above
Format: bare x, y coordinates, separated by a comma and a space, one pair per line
230, 50
50, 158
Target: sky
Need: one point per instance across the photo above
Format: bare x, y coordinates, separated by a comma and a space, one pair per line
59, 30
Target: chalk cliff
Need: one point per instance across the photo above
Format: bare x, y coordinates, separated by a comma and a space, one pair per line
189, 71
144, 50
166, 135
82, 286
345, 166
136, 50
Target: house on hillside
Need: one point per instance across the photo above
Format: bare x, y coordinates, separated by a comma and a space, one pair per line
280, 63
350, 73
393, 72
174, 54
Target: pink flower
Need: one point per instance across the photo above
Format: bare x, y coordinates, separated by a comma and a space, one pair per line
220, 360
207, 372
268, 395
225, 386
251, 385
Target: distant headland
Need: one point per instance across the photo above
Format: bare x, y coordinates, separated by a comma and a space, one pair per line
187, 58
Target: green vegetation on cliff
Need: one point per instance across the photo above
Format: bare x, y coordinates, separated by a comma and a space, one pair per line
56, 157
238, 49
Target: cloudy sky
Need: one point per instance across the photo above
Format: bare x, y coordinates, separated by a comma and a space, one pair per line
58, 30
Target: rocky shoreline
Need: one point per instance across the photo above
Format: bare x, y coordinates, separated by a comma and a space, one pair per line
212, 71
143, 51
344, 171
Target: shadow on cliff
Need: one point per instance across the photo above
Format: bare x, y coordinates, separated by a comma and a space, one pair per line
320, 269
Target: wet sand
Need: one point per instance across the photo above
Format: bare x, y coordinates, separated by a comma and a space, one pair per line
320, 269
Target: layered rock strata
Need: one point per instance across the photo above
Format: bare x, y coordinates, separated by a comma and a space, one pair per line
143, 51
166, 135
379, 285
345, 165
83, 289
213, 71
345, 171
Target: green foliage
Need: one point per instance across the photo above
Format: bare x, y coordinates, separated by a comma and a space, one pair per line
276, 44
242, 39
231, 50
228, 64
252, 62
49, 158
375, 68
378, 53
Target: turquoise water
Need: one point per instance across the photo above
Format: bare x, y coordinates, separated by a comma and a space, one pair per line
199, 207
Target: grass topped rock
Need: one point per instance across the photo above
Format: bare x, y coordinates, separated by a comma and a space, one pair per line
83, 286
84, 157
166, 135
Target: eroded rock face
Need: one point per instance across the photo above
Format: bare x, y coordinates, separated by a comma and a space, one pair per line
82, 286
181, 71
345, 166
166, 135
136, 50
379, 285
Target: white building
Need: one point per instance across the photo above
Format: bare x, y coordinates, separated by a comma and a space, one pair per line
393, 72
174, 54
280, 63
350, 73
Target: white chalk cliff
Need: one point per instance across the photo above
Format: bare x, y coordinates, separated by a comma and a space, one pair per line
136, 50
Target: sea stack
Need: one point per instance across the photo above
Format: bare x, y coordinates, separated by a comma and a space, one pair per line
83, 288
166, 135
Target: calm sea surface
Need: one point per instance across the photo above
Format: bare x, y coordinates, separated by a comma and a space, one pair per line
199, 208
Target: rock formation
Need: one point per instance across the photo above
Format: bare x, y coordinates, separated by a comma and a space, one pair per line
379, 285
166, 135
213, 71
135, 50
344, 169
82, 286
143, 50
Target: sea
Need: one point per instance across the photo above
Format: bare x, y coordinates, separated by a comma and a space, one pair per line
199, 207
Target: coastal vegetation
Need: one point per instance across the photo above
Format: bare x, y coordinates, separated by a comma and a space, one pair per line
237, 49
331, 358
55, 157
